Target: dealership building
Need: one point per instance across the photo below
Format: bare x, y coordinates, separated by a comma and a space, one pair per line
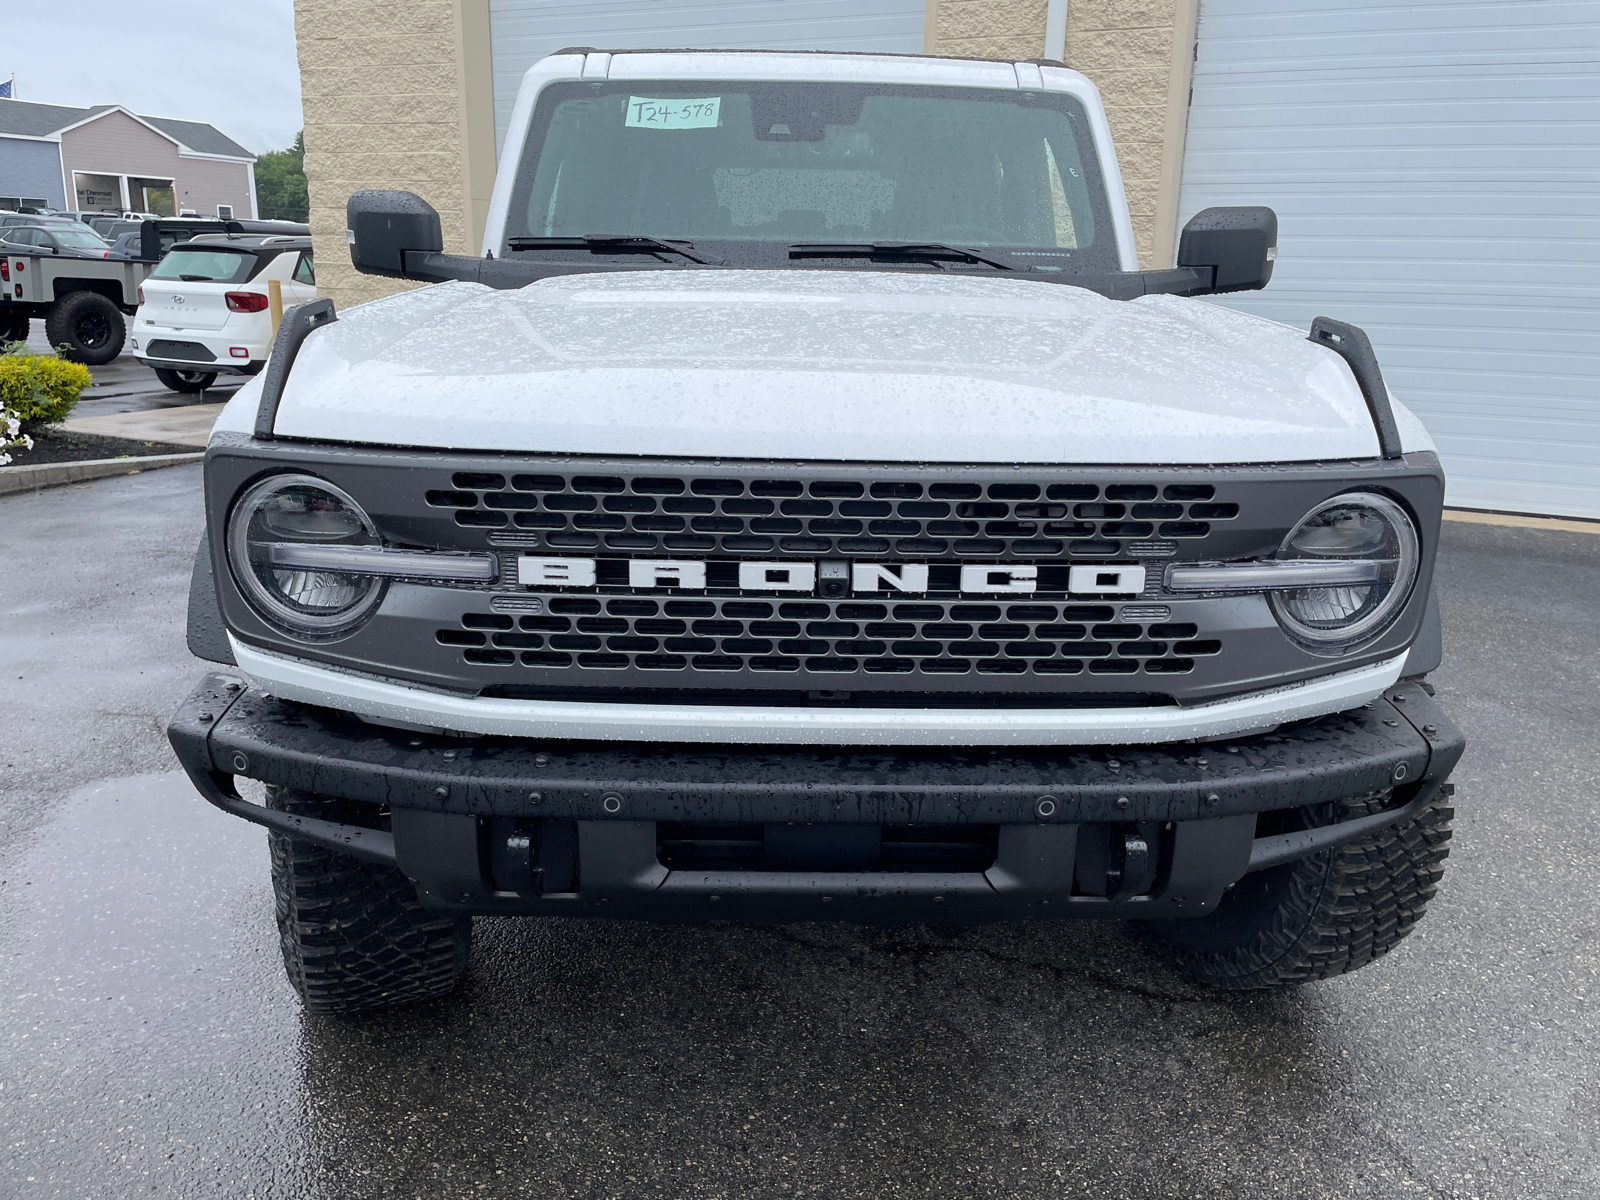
107, 159
1435, 167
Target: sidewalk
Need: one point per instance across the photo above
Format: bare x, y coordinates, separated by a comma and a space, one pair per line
186, 425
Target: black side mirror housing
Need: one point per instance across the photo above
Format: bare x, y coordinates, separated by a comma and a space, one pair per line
1238, 244
382, 227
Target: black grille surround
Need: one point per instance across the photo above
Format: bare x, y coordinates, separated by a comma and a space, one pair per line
613, 642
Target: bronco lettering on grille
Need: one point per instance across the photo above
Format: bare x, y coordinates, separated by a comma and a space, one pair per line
693, 575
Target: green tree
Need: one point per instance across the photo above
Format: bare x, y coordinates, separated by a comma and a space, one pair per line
281, 183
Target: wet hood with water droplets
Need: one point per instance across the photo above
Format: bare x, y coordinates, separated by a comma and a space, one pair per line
823, 365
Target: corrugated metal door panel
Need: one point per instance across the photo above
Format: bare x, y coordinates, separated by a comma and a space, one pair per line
1435, 167
523, 31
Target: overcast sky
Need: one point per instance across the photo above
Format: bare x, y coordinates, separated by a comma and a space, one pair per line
230, 64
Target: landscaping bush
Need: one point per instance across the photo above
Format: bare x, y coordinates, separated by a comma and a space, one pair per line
39, 389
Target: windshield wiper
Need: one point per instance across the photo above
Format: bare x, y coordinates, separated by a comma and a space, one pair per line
617, 242
929, 251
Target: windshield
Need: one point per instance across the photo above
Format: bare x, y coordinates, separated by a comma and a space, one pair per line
747, 170
215, 266
80, 239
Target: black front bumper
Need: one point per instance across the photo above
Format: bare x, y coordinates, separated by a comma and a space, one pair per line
445, 809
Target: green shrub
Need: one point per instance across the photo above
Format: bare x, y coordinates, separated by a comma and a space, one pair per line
39, 389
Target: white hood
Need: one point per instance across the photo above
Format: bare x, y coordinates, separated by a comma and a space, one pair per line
824, 365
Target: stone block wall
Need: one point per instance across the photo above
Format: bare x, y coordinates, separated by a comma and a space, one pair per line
380, 90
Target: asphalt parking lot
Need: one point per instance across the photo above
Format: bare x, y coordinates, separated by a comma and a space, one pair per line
152, 1047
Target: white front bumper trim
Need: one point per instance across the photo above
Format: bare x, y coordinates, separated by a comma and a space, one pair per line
291, 679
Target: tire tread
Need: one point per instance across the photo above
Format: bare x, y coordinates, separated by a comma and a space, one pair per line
1341, 909
353, 934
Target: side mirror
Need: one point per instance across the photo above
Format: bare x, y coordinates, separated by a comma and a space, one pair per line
382, 227
1238, 244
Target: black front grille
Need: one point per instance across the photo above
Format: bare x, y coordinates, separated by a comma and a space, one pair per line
822, 637
743, 516
182, 351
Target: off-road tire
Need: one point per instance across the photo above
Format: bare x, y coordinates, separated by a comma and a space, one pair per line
1323, 915
185, 381
353, 934
89, 326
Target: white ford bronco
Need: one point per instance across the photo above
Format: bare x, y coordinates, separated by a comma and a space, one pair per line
806, 510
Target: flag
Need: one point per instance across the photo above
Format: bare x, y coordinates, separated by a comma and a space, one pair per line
5, 88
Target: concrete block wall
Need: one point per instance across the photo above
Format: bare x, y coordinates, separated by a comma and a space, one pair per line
381, 95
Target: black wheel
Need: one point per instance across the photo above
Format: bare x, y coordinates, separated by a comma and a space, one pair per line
86, 327
353, 934
1320, 916
186, 381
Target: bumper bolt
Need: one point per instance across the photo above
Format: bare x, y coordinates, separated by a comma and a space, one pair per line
240, 764
1213, 798
1123, 802
535, 797
1430, 729
541, 759
207, 717
611, 802
1401, 770
1046, 806
442, 792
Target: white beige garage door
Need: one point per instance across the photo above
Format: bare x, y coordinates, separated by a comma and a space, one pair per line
1436, 170
523, 31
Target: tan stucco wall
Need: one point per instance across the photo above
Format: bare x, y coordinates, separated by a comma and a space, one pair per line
381, 94
1127, 48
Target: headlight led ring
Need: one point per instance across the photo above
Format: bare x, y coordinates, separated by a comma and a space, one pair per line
1356, 528
301, 510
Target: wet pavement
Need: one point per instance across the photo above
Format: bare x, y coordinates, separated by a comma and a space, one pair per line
126, 385
151, 1046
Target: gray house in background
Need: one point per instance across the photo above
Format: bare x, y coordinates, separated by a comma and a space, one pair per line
107, 159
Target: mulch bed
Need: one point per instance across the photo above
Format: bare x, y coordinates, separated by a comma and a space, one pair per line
59, 447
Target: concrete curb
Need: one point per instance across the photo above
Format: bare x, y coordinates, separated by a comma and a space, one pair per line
30, 478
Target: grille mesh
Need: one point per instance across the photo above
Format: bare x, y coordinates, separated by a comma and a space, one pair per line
846, 517
827, 637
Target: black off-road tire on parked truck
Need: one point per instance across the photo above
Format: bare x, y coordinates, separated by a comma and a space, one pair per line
1323, 915
87, 327
353, 934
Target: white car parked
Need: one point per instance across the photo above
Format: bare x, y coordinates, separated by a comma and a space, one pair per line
204, 309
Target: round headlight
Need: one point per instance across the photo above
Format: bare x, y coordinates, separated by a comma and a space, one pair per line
1361, 526
286, 511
